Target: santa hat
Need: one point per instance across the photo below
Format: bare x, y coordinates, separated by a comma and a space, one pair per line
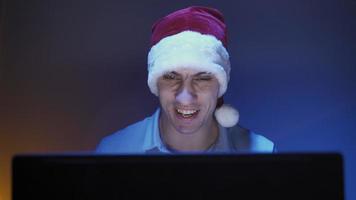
194, 37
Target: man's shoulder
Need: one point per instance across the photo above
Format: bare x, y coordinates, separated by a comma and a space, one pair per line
244, 140
126, 140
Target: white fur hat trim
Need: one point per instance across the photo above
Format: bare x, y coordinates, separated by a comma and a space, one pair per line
227, 116
189, 49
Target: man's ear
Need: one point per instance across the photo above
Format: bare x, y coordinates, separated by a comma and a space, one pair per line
219, 102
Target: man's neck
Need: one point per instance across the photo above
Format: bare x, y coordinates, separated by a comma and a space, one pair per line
200, 140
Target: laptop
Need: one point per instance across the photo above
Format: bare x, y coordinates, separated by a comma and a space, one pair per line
216, 176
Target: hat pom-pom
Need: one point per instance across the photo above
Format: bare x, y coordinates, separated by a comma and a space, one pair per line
227, 116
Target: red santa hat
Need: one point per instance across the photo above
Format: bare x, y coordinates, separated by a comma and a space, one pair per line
194, 37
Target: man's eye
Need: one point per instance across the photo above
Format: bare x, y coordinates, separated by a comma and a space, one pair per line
203, 78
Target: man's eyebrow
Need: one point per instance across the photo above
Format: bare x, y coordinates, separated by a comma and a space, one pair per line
172, 72
202, 73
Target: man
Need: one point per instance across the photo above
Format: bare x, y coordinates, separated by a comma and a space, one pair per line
188, 69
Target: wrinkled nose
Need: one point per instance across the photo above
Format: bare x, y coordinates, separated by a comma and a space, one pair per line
185, 97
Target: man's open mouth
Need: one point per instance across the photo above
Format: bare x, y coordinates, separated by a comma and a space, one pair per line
187, 113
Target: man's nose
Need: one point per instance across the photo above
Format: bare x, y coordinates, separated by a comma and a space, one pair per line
185, 96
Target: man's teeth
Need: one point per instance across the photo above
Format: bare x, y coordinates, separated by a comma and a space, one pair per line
186, 112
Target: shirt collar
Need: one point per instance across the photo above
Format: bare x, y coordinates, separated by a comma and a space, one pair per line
152, 141
222, 144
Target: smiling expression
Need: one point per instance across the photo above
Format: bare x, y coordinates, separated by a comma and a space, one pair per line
188, 99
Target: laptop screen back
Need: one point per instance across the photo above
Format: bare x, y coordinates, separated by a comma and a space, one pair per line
267, 176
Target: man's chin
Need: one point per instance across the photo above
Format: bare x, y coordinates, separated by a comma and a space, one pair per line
186, 125
186, 131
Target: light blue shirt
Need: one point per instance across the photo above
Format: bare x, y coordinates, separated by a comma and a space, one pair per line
144, 137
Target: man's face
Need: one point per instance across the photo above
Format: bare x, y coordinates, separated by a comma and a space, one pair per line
188, 99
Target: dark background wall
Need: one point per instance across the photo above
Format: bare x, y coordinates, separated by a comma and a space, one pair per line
72, 72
